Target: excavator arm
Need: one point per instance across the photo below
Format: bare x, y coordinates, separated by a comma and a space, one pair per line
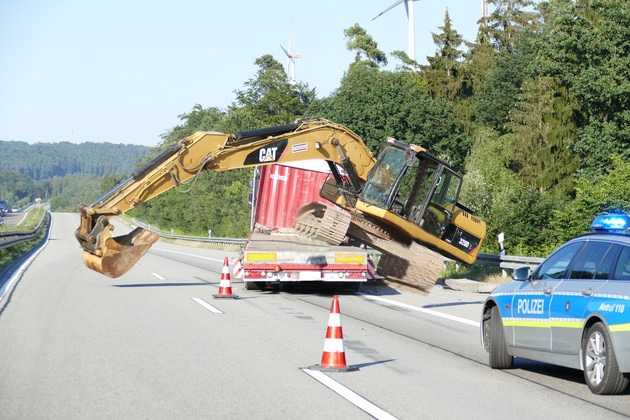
214, 151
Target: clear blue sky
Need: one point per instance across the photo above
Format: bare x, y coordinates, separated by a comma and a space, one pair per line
121, 71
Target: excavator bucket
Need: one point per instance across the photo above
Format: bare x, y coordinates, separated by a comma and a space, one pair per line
121, 253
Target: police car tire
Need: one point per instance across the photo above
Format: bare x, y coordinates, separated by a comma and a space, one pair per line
614, 382
497, 348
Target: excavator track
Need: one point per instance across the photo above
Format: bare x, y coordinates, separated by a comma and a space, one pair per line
409, 264
420, 267
319, 222
368, 225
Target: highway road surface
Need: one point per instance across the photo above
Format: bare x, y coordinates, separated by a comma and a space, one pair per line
154, 344
13, 219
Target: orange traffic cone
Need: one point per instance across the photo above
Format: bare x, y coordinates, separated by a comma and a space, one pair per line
225, 285
334, 355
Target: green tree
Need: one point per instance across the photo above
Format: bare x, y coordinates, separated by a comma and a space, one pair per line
585, 46
502, 200
542, 136
365, 47
444, 77
219, 201
593, 195
378, 104
507, 21
500, 86
268, 98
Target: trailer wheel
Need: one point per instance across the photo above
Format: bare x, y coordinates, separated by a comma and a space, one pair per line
254, 285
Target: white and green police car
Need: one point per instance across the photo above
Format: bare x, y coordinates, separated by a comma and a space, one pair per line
573, 310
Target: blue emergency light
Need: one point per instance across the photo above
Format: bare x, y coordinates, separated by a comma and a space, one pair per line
615, 221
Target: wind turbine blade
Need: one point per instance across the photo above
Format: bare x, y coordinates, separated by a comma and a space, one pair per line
388, 9
285, 51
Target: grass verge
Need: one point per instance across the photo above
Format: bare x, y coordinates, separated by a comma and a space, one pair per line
8, 255
30, 222
478, 272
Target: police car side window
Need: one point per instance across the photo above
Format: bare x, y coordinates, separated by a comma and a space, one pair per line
607, 266
556, 266
623, 265
591, 262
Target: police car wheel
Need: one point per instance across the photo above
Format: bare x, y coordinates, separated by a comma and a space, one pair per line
499, 358
601, 371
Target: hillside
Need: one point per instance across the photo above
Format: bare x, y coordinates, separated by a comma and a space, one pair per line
41, 161
64, 173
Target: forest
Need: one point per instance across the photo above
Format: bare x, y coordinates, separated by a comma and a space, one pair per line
535, 113
66, 174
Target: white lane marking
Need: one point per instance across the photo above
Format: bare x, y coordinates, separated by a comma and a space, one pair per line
8, 286
23, 217
207, 306
219, 260
157, 276
431, 312
348, 394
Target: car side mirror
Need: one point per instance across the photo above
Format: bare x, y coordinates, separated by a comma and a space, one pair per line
521, 274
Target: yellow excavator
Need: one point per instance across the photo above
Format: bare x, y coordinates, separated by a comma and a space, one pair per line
405, 203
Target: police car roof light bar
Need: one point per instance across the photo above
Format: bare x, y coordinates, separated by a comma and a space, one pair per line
615, 221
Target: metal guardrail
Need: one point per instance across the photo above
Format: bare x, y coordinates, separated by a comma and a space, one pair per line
210, 240
9, 239
509, 262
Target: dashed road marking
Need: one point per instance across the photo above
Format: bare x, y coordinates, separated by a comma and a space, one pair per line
157, 276
431, 312
207, 306
23, 217
348, 394
219, 260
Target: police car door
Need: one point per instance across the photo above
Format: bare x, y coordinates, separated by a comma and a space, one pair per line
588, 273
531, 304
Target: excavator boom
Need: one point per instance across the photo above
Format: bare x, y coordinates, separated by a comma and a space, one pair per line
180, 163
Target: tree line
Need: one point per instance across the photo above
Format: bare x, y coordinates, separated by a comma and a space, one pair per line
66, 174
534, 112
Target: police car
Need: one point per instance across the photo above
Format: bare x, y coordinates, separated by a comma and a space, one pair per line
573, 310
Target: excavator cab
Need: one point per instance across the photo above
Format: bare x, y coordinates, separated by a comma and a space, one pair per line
414, 185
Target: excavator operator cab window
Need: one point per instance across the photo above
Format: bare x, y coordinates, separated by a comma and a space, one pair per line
426, 193
383, 178
441, 202
420, 188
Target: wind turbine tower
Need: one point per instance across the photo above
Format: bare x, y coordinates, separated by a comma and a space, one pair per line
411, 24
484, 9
291, 57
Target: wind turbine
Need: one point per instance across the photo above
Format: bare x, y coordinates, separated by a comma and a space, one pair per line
291, 57
484, 9
411, 24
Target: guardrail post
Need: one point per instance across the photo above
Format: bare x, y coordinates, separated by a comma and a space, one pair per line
501, 240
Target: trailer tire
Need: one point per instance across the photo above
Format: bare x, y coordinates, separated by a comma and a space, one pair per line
254, 285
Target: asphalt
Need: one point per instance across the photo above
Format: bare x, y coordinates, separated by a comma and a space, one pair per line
12, 219
76, 345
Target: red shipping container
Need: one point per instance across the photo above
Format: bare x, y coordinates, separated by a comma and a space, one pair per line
282, 190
